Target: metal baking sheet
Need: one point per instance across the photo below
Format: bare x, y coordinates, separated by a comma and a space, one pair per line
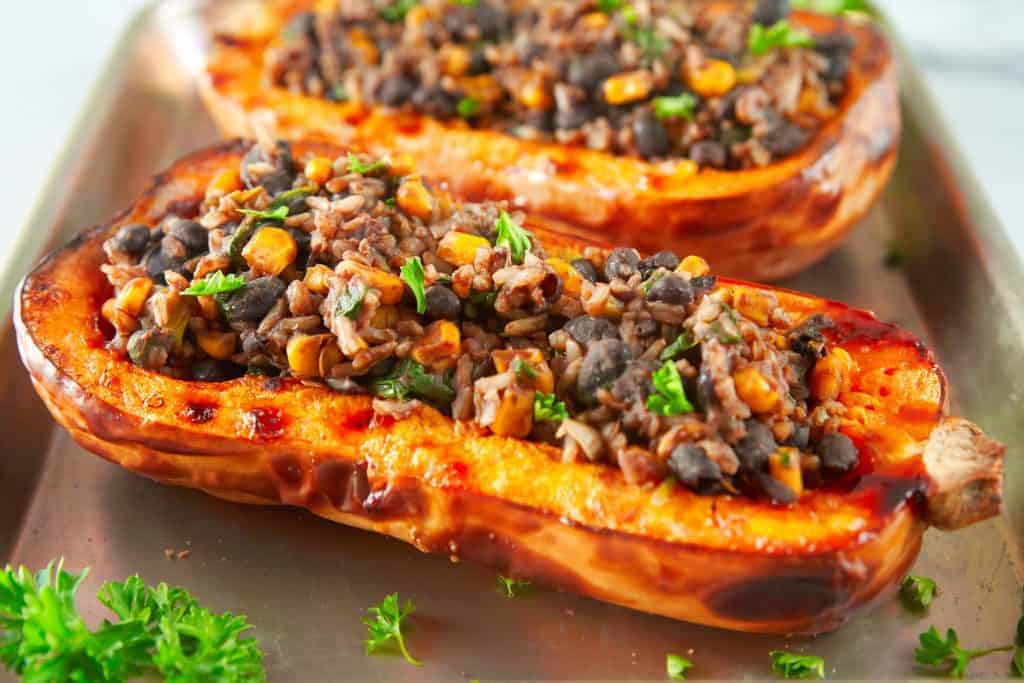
305, 583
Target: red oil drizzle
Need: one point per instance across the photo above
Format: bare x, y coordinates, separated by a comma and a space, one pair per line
199, 412
266, 423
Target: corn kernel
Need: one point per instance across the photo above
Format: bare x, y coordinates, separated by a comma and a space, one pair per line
361, 43
755, 305
414, 198
455, 59
784, 466
319, 170
533, 92
133, 295
303, 351
225, 182
628, 87
694, 265
459, 248
401, 165
439, 346
390, 286
514, 416
595, 20
270, 251
572, 281
831, 375
714, 79
318, 279
754, 390
538, 377
416, 17
330, 356
219, 345
122, 322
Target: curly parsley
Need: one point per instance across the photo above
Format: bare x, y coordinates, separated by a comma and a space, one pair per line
411, 380
669, 397
508, 233
412, 274
762, 40
678, 106
676, 666
945, 654
385, 627
789, 665
215, 283
547, 407
917, 592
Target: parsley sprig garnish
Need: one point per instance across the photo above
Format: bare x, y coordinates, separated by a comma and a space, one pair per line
763, 39
411, 380
669, 397
917, 592
396, 11
215, 283
832, 6
468, 107
356, 166
385, 627
676, 106
350, 301
947, 654
676, 666
512, 587
547, 408
508, 233
275, 214
789, 665
412, 274
682, 343
157, 631
610, 6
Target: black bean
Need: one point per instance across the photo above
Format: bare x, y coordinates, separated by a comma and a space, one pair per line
213, 370
663, 259
646, 328
621, 263
703, 283
252, 302
838, 453
302, 243
150, 348
691, 465
650, 136
133, 238
492, 21
754, 448
708, 153
671, 289
707, 397
156, 263
605, 360
478, 63
585, 268
191, 234
784, 138
435, 101
276, 181
634, 385
800, 437
768, 12
528, 51
574, 116
773, 489
442, 304
590, 70
395, 90
807, 339
587, 329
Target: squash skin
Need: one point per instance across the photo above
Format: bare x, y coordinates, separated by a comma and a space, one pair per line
762, 224
449, 488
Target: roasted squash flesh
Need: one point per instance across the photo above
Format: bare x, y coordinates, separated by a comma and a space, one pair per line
446, 487
765, 223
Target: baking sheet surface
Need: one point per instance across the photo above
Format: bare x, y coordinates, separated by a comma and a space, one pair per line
305, 582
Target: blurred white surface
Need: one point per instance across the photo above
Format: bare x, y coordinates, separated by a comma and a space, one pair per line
971, 52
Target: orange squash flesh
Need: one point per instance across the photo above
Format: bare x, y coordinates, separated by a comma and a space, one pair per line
451, 488
763, 224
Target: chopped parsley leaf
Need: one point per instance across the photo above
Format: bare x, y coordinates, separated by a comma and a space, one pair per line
678, 106
510, 234
413, 275
215, 283
761, 40
547, 408
669, 397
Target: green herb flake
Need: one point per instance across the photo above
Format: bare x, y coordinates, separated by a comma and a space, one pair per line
385, 627
651, 45
275, 214
391, 201
350, 301
411, 380
512, 587
669, 397
917, 592
762, 40
356, 166
159, 632
946, 654
833, 6
676, 666
396, 11
523, 370
610, 6
413, 275
676, 107
789, 665
895, 256
683, 342
465, 3
649, 282
215, 283
289, 196
547, 408
510, 234
1018, 661
485, 299
468, 107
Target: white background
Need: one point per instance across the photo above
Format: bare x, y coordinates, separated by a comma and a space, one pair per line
971, 50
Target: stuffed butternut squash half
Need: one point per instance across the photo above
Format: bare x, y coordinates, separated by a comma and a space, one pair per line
295, 324
738, 131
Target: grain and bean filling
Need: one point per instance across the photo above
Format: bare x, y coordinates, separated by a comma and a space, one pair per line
656, 79
354, 274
